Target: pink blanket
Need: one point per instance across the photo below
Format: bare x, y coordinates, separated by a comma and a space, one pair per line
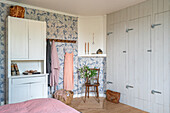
46, 105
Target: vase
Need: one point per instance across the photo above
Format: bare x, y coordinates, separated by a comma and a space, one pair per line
91, 81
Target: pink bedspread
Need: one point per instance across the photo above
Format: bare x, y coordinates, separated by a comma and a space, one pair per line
46, 105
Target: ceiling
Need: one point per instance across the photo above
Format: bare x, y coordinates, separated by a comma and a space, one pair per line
82, 7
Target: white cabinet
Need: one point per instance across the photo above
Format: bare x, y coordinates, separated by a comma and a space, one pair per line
26, 88
18, 33
26, 38
36, 39
26, 47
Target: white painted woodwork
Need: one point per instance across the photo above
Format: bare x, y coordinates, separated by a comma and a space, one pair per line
138, 66
160, 66
27, 88
144, 70
36, 39
116, 58
18, 33
19, 93
160, 6
26, 47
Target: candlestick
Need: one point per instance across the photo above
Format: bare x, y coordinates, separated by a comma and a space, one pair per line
88, 47
85, 47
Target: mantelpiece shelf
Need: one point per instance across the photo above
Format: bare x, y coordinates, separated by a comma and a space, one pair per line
93, 55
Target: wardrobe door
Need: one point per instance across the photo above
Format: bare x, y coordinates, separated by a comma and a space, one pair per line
120, 59
18, 36
132, 43
110, 60
160, 64
138, 63
116, 52
142, 64
37, 34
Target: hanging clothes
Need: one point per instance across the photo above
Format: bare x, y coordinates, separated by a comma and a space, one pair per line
55, 66
68, 72
48, 60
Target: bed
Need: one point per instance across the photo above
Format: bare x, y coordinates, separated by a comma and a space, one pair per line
44, 105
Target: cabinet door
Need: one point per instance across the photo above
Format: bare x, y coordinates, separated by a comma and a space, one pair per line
20, 93
37, 34
37, 90
160, 64
18, 35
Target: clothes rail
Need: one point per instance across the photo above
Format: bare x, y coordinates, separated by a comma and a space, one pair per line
61, 40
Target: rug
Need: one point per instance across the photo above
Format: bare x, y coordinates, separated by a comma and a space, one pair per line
91, 103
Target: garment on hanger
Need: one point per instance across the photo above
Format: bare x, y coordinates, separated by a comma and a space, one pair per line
48, 60
68, 72
55, 66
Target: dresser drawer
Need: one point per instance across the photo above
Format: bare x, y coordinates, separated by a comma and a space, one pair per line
29, 80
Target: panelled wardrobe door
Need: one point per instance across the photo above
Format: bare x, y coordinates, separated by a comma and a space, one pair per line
110, 60
119, 67
132, 31
138, 63
142, 64
160, 64
18, 31
36, 40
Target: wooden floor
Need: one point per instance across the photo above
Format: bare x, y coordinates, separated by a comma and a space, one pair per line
108, 107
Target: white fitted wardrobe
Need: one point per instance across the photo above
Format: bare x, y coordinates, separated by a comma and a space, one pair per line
138, 55
26, 46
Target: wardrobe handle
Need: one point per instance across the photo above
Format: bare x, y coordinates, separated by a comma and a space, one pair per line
127, 30
153, 25
128, 86
108, 82
153, 92
109, 33
149, 50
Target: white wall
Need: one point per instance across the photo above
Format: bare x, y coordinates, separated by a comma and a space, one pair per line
87, 25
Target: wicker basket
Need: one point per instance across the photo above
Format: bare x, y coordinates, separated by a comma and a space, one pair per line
17, 11
59, 95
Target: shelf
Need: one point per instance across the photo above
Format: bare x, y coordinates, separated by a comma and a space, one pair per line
93, 55
22, 76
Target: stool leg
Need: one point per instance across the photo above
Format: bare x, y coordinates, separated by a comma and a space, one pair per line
97, 92
85, 93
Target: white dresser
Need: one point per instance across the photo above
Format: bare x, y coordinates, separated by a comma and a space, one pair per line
26, 47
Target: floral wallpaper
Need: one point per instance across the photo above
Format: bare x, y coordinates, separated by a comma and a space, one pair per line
60, 27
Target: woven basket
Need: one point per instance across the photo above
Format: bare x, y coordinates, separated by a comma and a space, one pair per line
17, 11
69, 96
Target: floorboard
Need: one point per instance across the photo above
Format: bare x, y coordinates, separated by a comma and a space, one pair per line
108, 107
